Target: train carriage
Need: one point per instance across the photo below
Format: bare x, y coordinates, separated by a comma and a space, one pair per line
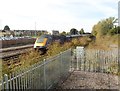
43, 42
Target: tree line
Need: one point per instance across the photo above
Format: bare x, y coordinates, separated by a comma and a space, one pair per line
73, 31
106, 27
103, 27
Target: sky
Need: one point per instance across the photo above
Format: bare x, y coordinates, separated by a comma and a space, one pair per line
59, 15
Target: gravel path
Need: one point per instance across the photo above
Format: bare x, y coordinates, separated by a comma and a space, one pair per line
90, 80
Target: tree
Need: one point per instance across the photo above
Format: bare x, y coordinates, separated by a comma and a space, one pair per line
114, 31
81, 31
6, 28
118, 29
103, 26
73, 31
63, 33
94, 30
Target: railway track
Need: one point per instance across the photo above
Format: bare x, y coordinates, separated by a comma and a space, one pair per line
14, 52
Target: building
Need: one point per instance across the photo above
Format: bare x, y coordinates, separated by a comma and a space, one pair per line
5, 33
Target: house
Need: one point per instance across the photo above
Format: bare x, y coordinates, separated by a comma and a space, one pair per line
5, 33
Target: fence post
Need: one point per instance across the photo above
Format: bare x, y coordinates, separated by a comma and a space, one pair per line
118, 58
71, 64
80, 55
77, 56
98, 61
6, 81
45, 87
77, 64
60, 65
84, 59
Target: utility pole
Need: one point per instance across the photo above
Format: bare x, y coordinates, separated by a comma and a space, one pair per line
35, 29
119, 13
35, 25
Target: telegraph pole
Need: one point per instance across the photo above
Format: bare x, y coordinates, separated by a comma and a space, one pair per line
119, 13
35, 28
35, 25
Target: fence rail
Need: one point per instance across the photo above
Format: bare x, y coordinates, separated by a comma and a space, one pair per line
46, 74
40, 76
96, 60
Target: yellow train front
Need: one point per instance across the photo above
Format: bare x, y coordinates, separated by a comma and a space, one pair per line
42, 42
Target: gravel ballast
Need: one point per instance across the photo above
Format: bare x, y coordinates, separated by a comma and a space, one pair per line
90, 80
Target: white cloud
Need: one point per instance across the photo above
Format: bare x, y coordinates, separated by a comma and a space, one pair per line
55, 14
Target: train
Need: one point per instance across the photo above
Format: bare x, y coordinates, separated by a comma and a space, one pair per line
45, 40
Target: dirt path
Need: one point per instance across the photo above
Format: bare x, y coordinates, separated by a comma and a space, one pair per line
90, 80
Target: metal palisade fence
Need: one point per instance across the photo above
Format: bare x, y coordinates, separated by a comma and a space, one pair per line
46, 74
96, 60
39, 76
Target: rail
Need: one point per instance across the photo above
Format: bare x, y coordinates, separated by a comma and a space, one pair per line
105, 61
43, 75
15, 48
13, 52
46, 74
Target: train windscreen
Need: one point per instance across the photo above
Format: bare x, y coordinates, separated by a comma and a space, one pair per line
40, 40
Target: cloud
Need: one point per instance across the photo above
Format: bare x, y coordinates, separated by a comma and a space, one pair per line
55, 14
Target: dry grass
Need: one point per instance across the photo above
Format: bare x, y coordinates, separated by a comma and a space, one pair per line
23, 62
104, 42
33, 57
0, 68
82, 41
